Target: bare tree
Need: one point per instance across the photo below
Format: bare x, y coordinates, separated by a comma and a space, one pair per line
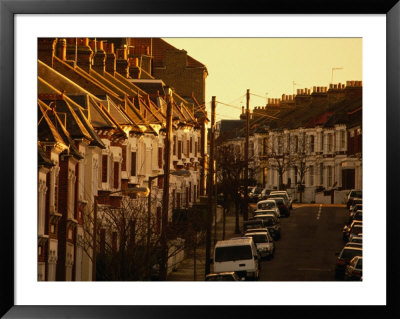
278, 156
121, 241
230, 168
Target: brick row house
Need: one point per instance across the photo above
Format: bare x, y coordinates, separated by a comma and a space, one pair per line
305, 143
101, 131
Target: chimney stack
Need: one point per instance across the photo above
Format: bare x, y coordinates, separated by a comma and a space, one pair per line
61, 49
46, 48
110, 58
122, 63
85, 54
99, 59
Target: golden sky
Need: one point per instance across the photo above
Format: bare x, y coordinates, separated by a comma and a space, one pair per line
269, 66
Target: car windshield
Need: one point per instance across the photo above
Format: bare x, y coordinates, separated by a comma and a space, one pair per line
220, 278
359, 263
231, 253
258, 238
266, 205
356, 229
356, 194
350, 253
269, 221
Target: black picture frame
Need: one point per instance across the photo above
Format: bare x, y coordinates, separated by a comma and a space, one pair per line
8, 9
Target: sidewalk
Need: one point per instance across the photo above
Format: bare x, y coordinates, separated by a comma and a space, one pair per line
185, 270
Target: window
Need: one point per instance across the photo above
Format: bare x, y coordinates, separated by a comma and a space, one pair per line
133, 164
195, 149
160, 159
104, 167
191, 145
56, 185
123, 165
280, 145
296, 144
342, 139
187, 148
174, 146
312, 143
160, 182
265, 145
330, 142
116, 174
321, 174
321, 141
179, 149
311, 175
329, 176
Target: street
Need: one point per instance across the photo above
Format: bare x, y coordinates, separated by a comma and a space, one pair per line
306, 251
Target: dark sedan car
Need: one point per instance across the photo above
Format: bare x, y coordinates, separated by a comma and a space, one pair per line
354, 193
272, 223
354, 269
344, 258
283, 208
223, 276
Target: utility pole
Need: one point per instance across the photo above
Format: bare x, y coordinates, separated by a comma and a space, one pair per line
210, 189
246, 159
165, 199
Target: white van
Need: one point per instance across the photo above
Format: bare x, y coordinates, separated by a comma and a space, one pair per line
239, 255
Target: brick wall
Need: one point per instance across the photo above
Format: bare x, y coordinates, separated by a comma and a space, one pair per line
183, 79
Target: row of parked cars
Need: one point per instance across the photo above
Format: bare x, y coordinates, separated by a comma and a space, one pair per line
349, 261
240, 258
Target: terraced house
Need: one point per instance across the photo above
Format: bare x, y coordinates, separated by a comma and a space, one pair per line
101, 133
309, 143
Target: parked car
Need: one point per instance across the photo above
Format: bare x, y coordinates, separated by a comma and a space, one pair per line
353, 270
354, 193
251, 224
268, 204
356, 216
264, 243
356, 201
264, 194
267, 211
272, 223
344, 258
239, 255
223, 276
253, 195
353, 244
282, 205
347, 229
353, 209
356, 239
285, 195
355, 231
